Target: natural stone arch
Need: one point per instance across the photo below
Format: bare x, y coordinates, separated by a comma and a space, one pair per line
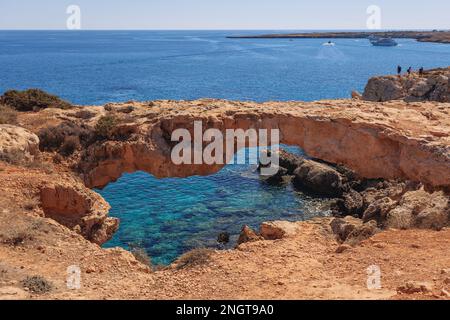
389, 140
372, 148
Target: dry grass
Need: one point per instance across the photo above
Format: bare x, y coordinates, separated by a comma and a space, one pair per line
14, 157
16, 227
194, 257
140, 254
31, 204
19, 158
8, 115
37, 284
15, 238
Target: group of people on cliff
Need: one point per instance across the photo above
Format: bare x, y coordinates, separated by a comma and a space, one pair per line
409, 70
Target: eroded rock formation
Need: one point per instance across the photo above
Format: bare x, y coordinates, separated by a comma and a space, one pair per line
432, 85
17, 142
80, 209
60, 196
392, 140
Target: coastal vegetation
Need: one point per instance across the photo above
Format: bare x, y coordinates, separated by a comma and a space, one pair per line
32, 100
105, 126
65, 138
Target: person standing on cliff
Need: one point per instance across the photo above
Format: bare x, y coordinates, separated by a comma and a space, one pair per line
409, 71
421, 71
399, 70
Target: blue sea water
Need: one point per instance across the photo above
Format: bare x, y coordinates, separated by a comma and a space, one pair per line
95, 67
171, 216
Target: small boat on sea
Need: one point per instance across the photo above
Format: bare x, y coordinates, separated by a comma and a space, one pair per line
329, 43
382, 42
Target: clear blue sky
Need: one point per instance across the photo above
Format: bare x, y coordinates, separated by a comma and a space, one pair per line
224, 14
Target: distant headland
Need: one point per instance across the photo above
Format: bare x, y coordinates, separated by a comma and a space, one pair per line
439, 36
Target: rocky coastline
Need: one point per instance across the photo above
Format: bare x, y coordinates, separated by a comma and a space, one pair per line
385, 162
437, 36
430, 85
371, 204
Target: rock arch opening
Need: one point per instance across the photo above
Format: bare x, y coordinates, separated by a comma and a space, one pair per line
170, 216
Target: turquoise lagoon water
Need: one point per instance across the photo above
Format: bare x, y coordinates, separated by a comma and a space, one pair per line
170, 216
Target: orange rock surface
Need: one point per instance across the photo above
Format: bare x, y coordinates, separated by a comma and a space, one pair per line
51, 220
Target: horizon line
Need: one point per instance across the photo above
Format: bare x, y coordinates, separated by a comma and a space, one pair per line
233, 29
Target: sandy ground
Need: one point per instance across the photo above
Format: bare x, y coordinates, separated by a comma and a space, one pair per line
302, 266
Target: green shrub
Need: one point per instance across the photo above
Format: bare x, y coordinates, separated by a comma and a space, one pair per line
7, 115
32, 100
50, 139
65, 138
105, 126
70, 145
84, 114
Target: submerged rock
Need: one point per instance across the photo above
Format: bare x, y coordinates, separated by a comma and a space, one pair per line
277, 178
223, 238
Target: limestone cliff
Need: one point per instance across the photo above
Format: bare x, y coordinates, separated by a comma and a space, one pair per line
393, 140
432, 85
389, 140
40, 187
